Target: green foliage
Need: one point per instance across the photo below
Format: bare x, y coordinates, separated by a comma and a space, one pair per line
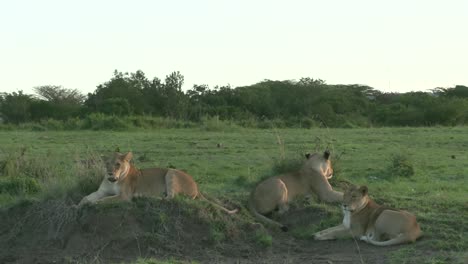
19, 185
15, 107
103, 122
287, 165
268, 104
56, 102
217, 234
116, 106
18, 164
400, 166
264, 239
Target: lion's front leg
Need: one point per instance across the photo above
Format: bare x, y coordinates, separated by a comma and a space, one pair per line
339, 231
111, 198
92, 198
331, 196
170, 184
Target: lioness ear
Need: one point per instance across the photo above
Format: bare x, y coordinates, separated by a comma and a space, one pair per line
117, 149
128, 156
307, 155
363, 189
326, 154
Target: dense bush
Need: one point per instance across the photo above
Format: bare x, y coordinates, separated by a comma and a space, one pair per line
267, 104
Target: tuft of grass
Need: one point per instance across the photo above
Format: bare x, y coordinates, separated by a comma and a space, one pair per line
242, 181
19, 185
213, 123
263, 239
287, 165
81, 178
400, 166
217, 234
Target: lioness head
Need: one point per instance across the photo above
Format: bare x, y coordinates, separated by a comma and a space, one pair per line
117, 167
355, 198
319, 163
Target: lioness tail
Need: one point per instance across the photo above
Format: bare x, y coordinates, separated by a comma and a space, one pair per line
401, 238
265, 219
200, 195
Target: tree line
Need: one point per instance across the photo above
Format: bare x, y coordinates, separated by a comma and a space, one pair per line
305, 103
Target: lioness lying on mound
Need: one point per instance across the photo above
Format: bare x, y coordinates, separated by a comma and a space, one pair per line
276, 192
373, 223
124, 181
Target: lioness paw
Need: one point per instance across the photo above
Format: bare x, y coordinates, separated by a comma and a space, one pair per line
318, 236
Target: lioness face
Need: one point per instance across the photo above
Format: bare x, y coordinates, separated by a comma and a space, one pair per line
328, 169
355, 198
117, 167
320, 163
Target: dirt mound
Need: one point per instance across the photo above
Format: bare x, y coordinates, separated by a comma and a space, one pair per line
43, 232
182, 229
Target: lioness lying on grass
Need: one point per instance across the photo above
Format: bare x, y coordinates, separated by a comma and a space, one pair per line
373, 223
276, 192
124, 181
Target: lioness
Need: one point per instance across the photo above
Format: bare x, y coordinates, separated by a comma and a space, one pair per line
275, 193
373, 223
124, 181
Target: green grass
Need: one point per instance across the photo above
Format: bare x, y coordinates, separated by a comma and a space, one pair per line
422, 170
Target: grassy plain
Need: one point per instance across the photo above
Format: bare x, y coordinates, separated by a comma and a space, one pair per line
227, 162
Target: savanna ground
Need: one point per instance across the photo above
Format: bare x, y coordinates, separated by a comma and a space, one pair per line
42, 174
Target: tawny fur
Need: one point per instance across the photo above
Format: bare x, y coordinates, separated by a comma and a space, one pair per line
371, 222
276, 192
124, 181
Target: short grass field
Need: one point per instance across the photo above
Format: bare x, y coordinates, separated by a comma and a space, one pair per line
422, 170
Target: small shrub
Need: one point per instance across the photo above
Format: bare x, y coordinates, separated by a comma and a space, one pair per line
86, 185
103, 122
250, 122
307, 123
241, 181
400, 165
217, 235
52, 124
17, 163
36, 127
10, 165
74, 123
19, 185
265, 124
286, 165
264, 239
213, 123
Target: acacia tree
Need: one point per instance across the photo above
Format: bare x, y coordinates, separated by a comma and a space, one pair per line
56, 102
59, 95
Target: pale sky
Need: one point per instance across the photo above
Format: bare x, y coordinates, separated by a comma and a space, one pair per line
389, 45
